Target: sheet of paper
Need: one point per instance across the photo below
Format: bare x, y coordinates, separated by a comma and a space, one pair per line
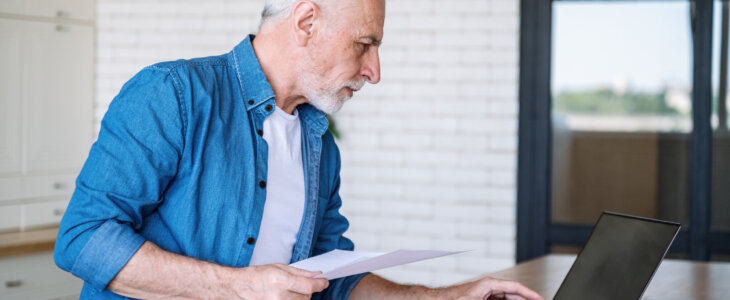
341, 263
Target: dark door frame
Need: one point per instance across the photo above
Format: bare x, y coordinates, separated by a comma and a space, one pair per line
535, 130
535, 233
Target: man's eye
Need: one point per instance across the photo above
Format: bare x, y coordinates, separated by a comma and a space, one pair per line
365, 47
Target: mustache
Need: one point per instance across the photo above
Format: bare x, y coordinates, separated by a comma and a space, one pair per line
354, 85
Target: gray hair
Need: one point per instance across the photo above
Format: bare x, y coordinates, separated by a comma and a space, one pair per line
277, 10
281, 9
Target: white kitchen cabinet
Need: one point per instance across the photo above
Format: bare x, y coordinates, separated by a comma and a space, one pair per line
10, 217
67, 9
36, 277
64, 9
43, 214
11, 6
46, 104
47, 185
60, 91
11, 73
11, 188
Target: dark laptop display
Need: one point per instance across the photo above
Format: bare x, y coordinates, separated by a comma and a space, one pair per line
619, 258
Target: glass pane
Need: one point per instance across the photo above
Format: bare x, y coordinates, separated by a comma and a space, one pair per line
721, 163
621, 87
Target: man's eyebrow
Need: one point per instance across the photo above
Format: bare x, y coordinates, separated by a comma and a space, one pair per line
372, 40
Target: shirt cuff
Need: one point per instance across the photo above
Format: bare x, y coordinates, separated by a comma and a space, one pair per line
106, 253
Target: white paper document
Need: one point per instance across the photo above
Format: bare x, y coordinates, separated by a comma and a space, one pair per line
341, 263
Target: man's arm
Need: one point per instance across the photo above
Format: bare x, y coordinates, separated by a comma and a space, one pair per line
128, 169
374, 287
156, 273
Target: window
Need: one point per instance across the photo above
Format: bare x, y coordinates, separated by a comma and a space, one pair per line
615, 114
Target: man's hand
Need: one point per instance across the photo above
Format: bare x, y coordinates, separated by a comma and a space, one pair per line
276, 281
155, 273
374, 287
488, 288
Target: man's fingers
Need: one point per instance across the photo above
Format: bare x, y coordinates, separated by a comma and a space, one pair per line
294, 296
319, 284
306, 285
514, 297
314, 285
511, 288
300, 281
299, 272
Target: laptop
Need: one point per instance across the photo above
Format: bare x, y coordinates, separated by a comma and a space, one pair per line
619, 258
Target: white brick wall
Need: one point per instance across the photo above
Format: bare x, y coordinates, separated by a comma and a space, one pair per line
429, 154
132, 34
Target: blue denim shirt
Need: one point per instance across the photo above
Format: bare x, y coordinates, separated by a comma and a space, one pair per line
180, 162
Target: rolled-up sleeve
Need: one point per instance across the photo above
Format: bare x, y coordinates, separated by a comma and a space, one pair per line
124, 178
331, 236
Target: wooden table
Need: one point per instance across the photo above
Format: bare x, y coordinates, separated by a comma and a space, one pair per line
675, 279
27, 242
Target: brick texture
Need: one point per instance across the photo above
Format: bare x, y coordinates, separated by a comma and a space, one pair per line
429, 154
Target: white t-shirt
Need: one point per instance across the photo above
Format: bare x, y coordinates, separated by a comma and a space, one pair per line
284, 206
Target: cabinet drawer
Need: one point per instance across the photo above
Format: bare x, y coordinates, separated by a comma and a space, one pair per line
44, 214
36, 277
10, 189
65, 9
10, 217
11, 6
50, 185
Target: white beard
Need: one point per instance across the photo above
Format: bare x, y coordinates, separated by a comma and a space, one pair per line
325, 98
327, 103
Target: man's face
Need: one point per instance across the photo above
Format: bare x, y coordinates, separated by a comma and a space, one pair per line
344, 53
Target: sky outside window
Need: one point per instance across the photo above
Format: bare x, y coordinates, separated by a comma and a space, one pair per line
623, 66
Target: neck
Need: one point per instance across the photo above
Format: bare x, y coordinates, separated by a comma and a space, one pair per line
277, 64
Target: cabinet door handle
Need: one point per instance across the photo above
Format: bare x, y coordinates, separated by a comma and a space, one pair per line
13, 283
62, 28
61, 14
58, 212
59, 185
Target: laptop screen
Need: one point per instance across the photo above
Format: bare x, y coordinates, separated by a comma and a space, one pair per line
619, 258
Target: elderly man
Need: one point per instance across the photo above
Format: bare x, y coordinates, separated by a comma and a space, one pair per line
210, 175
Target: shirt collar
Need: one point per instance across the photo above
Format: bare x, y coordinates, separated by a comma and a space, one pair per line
315, 119
256, 89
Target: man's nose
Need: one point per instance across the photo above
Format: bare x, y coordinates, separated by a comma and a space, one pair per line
371, 68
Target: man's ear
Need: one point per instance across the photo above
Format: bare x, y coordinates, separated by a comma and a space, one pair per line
304, 15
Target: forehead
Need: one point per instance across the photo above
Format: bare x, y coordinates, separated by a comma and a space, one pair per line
363, 17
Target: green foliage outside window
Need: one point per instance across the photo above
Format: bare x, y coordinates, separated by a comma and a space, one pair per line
605, 101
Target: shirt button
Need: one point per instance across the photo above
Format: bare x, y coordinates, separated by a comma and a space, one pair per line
269, 107
260, 132
250, 102
250, 241
262, 184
